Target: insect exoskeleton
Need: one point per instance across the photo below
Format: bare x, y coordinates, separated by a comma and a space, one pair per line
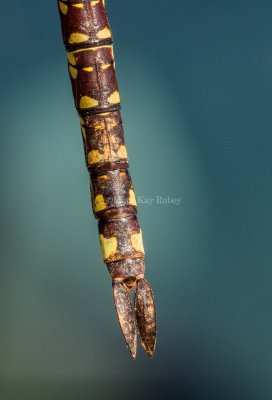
88, 40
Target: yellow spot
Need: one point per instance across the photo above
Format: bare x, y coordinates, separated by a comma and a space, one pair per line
122, 174
78, 38
87, 102
83, 130
71, 58
78, 5
73, 72
105, 66
63, 8
88, 69
81, 120
122, 152
93, 3
99, 203
104, 177
132, 198
104, 113
104, 33
114, 98
108, 246
98, 127
137, 242
95, 157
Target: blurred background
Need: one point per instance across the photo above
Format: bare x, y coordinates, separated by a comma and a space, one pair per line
195, 79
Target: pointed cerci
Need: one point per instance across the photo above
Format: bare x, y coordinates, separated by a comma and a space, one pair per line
88, 40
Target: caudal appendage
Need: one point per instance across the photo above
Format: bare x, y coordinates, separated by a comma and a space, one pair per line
137, 315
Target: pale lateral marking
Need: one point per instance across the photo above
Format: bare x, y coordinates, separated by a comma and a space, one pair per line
88, 102
71, 58
114, 98
108, 246
77, 37
105, 66
137, 242
132, 198
122, 151
95, 157
73, 72
99, 203
63, 8
104, 33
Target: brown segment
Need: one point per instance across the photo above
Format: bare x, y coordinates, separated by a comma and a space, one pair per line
111, 191
83, 18
104, 142
93, 79
124, 269
123, 230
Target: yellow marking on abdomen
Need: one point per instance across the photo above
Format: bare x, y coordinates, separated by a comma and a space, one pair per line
83, 130
80, 5
88, 69
114, 98
73, 72
95, 157
137, 242
71, 58
105, 66
63, 8
132, 198
93, 3
104, 33
99, 203
78, 38
108, 246
88, 102
122, 151
93, 48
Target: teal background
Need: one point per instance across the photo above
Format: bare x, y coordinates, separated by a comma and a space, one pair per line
195, 80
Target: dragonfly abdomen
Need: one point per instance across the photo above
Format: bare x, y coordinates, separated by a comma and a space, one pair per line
88, 41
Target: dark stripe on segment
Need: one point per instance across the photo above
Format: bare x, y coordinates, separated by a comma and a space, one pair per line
105, 167
87, 45
87, 112
117, 213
